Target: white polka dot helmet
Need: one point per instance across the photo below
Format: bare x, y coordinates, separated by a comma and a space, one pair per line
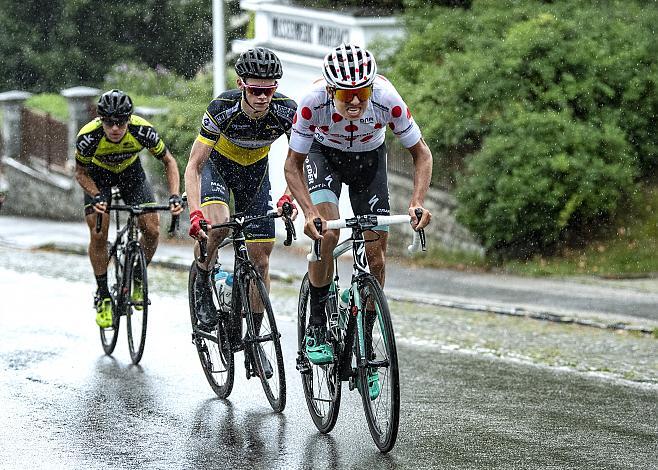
349, 66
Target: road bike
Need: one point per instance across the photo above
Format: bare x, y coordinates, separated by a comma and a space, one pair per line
127, 277
250, 304
362, 337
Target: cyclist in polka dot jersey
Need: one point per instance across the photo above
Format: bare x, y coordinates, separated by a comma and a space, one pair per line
338, 137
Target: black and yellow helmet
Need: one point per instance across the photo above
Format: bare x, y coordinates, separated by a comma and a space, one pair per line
258, 62
114, 103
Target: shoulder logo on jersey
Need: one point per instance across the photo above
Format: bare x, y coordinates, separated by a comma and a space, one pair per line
284, 112
84, 142
149, 133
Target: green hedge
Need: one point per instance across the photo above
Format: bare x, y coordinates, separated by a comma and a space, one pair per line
528, 83
541, 178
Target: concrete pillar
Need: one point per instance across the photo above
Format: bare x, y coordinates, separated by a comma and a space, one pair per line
80, 100
11, 104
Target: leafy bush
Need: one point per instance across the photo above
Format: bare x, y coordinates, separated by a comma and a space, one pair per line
541, 178
467, 73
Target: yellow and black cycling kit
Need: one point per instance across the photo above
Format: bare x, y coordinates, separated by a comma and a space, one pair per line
94, 148
232, 133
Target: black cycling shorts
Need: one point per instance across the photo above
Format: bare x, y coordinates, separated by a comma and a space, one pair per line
132, 183
251, 189
364, 173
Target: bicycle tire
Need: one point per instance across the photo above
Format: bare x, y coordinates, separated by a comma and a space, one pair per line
109, 336
136, 310
383, 412
216, 356
265, 341
321, 384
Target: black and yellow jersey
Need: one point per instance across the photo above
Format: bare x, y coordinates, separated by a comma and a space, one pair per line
245, 140
92, 147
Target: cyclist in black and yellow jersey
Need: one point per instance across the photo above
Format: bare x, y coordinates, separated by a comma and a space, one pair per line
107, 156
230, 154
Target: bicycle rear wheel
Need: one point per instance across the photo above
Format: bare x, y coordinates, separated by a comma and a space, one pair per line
263, 340
382, 409
137, 303
214, 349
321, 383
110, 335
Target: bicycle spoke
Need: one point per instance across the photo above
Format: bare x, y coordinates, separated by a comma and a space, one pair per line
381, 398
265, 347
213, 348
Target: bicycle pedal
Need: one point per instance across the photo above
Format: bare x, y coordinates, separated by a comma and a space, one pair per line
352, 383
303, 365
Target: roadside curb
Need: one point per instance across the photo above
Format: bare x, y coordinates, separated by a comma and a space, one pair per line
523, 312
545, 315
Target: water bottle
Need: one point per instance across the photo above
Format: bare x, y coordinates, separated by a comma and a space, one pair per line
343, 308
344, 302
222, 285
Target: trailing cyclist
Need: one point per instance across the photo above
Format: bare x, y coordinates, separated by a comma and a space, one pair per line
230, 155
338, 137
107, 156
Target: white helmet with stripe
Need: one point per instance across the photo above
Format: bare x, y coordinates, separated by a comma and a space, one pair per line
348, 67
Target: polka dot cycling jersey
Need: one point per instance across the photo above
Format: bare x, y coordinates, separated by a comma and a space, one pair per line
317, 119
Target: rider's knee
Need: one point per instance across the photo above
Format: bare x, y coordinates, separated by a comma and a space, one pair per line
261, 263
98, 238
330, 238
151, 231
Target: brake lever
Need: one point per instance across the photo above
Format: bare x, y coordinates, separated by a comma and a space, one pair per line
203, 243
316, 244
421, 232
290, 227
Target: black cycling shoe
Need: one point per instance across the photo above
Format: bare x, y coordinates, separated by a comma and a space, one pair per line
206, 312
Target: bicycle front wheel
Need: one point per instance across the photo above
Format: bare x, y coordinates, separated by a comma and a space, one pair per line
110, 335
137, 303
378, 375
263, 338
321, 383
214, 349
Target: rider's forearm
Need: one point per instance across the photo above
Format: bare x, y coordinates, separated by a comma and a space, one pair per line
198, 156
294, 171
85, 181
192, 187
422, 157
171, 170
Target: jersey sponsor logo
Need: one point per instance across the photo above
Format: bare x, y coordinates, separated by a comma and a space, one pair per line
405, 130
217, 187
329, 179
311, 172
149, 133
84, 142
115, 157
284, 112
373, 200
367, 120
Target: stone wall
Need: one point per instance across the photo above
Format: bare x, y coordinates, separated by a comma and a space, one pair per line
38, 192
444, 231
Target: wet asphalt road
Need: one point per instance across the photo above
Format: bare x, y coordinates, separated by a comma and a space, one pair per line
63, 404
